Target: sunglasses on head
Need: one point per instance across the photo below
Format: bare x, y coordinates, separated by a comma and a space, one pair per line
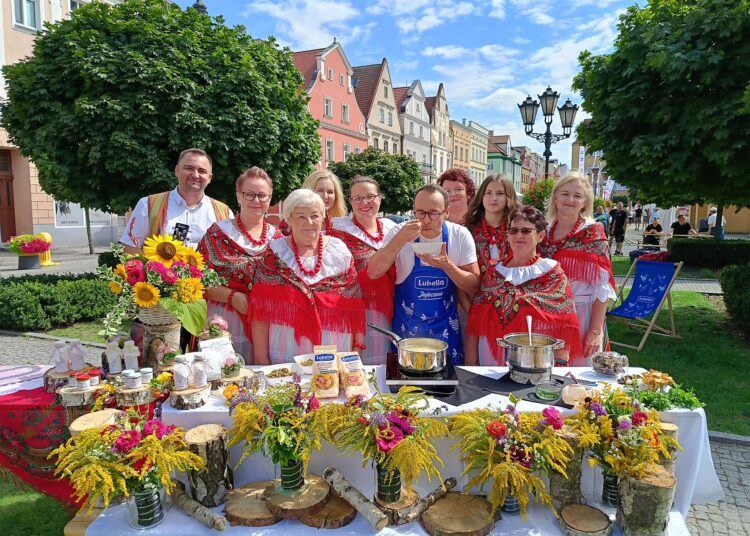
522, 230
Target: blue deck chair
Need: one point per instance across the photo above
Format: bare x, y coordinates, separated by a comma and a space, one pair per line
652, 284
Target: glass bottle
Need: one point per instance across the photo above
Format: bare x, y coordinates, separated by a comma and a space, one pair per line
131, 354
181, 371
114, 358
76, 355
199, 378
59, 357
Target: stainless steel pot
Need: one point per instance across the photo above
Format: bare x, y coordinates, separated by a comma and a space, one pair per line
418, 354
530, 363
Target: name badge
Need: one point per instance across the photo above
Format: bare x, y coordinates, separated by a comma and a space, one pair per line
181, 231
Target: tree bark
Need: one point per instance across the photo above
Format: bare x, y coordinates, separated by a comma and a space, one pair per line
672, 430
564, 491
196, 510
190, 398
427, 501
89, 236
356, 498
397, 511
130, 398
154, 336
97, 419
645, 503
210, 486
584, 520
335, 514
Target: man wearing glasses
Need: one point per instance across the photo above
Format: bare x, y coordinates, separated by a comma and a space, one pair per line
427, 285
185, 212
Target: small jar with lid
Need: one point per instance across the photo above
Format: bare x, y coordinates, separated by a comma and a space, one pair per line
147, 374
72, 379
95, 376
84, 381
133, 380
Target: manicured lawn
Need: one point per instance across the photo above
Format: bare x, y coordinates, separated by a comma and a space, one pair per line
710, 357
621, 265
86, 331
25, 512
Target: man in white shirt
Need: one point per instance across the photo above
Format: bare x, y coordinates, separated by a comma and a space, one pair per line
712, 222
186, 212
426, 285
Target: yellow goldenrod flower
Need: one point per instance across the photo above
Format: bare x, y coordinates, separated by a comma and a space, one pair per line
145, 294
188, 290
163, 249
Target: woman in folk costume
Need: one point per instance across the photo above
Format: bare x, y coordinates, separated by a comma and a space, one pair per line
328, 186
579, 244
230, 246
523, 284
487, 219
305, 289
364, 233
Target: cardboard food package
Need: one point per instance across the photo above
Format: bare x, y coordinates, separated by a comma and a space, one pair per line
352, 375
325, 378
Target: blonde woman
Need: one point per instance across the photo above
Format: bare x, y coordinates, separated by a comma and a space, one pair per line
579, 244
327, 185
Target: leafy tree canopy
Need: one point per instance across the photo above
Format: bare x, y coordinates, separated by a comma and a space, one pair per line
397, 174
667, 104
112, 96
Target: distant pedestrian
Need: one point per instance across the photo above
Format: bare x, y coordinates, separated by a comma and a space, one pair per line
603, 218
638, 215
619, 224
682, 227
712, 222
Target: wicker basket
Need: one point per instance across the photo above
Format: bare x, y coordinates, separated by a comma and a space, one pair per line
156, 316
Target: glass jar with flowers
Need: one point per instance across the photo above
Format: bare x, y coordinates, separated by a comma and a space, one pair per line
282, 423
512, 449
134, 457
215, 328
232, 365
395, 432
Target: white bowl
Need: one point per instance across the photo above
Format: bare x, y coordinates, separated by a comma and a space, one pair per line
282, 379
299, 359
426, 248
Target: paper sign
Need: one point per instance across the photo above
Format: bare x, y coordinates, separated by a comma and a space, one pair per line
215, 353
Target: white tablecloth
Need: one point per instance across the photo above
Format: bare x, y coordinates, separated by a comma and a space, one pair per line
696, 478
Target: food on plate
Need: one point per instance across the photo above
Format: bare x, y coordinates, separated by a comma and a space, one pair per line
656, 380
280, 373
306, 362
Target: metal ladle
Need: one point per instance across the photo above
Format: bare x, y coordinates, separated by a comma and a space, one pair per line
528, 326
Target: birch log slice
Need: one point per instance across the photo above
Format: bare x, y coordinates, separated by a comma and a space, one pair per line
210, 486
191, 398
564, 491
94, 420
311, 498
335, 514
196, 510
459, 514
54, 380
245, 506
672, 430
130, 398
396, 511
645, 503
71, 396
239, 380
584, 520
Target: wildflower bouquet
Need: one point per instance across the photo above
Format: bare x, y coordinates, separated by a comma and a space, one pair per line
281, 423
620, 434
29, 243
132, 455
167, 274
160, 385
388, 430
510, 447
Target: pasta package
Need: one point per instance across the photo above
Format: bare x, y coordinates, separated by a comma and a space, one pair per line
325, 378
353, 376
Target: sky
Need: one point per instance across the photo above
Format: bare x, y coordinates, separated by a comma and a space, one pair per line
489, 54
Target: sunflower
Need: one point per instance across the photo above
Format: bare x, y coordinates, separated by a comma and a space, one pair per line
120, 272
115, 287
163, 249
192, 258
188, 290
145, 294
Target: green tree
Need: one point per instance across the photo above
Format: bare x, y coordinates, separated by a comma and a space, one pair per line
539, 193
110, 97
398, 175
667, 103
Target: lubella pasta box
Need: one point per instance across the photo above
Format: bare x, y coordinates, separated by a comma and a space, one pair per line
352, 374
325, 378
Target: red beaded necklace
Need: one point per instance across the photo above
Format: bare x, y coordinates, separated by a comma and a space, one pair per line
531, 261
327, 225
493, 235
573, 231
378, 237
318, 264
263, 234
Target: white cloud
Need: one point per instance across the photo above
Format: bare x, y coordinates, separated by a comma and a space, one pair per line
502, 100
521, 41
431, 14
307, 24
575, 4
449, 52
537, 12
497, 9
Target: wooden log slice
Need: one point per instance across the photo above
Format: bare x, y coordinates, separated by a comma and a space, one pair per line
191, 398
310, 499
459, 514
645, 503
161, 367
239, 380
397, 510
245, 506
71, 396
584, 520
672, 430
54, 380
210, 486
335, 514
94, 420
128, 398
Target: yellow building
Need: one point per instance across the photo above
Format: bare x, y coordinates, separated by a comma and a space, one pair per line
461, 136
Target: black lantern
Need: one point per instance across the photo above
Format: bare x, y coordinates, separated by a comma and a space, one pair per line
548, 100
528, 109
567, 116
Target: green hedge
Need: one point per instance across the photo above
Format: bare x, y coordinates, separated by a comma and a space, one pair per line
708, 253
735, 283
34, 303
107, 258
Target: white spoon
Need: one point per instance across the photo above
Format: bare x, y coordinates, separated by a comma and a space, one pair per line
528, 325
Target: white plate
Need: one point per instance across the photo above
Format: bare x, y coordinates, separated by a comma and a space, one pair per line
303, 357
426, 248
284, 379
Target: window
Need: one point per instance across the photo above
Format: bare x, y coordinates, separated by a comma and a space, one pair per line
411, 127
395, 148
421, 131
385, 91
345, 113
347, 150
74, 5
330, 74
357, 150
377, 143
419, 108
390, 118
328, 108
27, 13
329, 150
382, 115
341, 79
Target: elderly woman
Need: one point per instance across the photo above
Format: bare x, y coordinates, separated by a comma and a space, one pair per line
579, 244
230, 246
364, 234
305, 290
460, 190
523, 284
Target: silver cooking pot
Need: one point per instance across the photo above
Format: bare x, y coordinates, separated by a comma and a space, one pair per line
538, 358
418, 354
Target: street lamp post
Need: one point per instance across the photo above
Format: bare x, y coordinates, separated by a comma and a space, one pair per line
548, 100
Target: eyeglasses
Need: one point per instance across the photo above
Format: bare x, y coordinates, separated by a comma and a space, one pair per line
455, 191
433, 214
252, 196
522, 230
366, 198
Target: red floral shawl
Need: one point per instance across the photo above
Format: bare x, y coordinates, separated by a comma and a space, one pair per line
582, 254
500, 308
483, 246
376, 293
280, 296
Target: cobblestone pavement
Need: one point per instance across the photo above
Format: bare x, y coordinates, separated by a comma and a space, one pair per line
704, 286
729, 517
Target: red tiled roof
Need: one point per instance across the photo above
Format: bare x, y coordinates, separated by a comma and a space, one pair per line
429, 103
366, 77
306, 63
500, 139
400, 94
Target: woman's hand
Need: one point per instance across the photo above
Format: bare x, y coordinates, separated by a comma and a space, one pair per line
239, 302
592, 342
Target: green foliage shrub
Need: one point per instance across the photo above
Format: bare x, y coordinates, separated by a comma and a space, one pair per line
107, 258
21, 309
735, 283
712, 254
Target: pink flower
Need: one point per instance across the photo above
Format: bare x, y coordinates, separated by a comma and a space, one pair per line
194, 272
640, 418
312, 403
387, 437
127, 441
154, 427
169, 276
155, 266
401, 423
171, 428
219, 322
553, 418
133, 265
136, 277
178, 264
229, 362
